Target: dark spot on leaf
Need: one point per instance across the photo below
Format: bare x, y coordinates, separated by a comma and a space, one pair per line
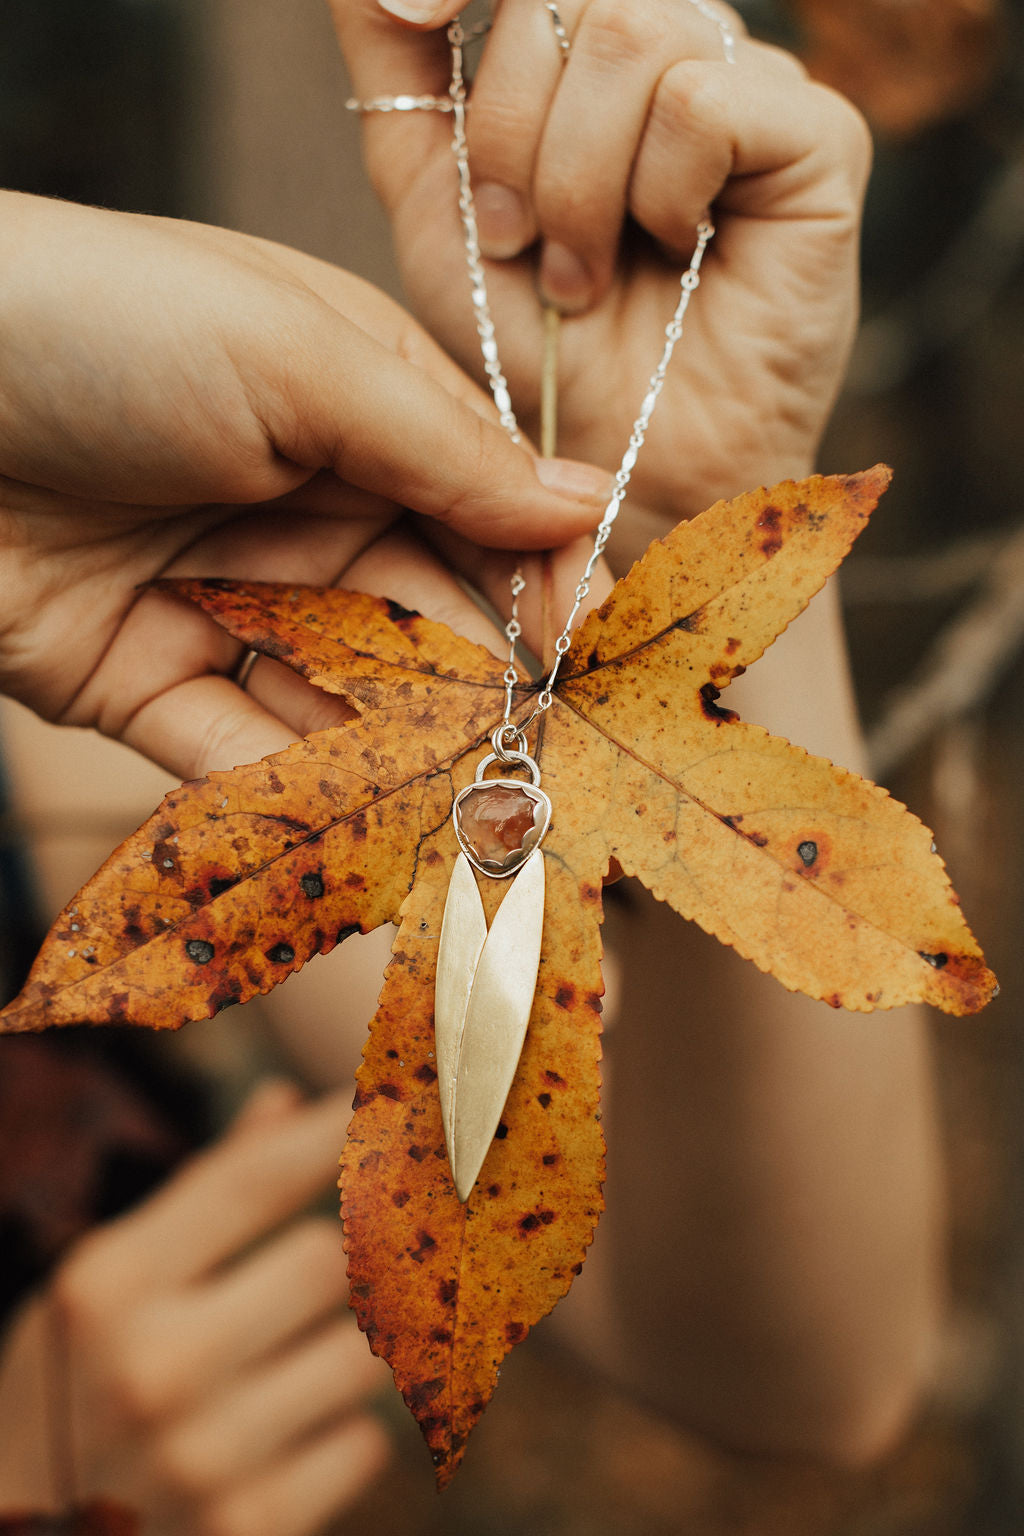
770, 520
732, 645
546, 1217
808, 852
501, 1132
400, 1197
357, 826
346, 932
418, 1153
393, 1054
757, 838
565, 997
423, 1392
396, 613
709, 694
549, 1159
834, 1000
390, 1090
426, 1244
515, 1332
226, 998
136, 935
426, 1073
529, 1223
494, 1190
355, 882
431, 857
447, 1292
363, 1096
312, 885
938, 961
602, 698
543, 1099
440, 1336
577, 1269
274, 646
199, 951
281, 954
554, 1077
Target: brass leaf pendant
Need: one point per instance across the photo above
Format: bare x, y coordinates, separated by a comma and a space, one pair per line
483, 993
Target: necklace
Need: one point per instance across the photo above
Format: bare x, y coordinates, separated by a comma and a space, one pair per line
485, 979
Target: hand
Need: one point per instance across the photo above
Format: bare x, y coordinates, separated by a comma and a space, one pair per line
176, 399
215, 1381
590, 179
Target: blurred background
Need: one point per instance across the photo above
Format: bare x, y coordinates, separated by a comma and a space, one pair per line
231, 111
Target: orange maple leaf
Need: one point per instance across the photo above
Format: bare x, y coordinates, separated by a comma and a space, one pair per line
808, 870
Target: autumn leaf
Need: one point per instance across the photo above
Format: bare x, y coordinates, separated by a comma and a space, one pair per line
806, 869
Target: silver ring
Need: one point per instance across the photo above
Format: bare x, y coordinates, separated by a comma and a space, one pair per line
240, 676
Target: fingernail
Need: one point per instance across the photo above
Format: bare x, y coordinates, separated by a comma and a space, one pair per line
564, 280
502, 220
408, 10
571, 478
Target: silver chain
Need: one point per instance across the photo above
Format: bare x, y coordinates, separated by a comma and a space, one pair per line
689, 282
509, 736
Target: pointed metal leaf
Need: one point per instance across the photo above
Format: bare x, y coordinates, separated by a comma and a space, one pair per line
463, 935
496, 1021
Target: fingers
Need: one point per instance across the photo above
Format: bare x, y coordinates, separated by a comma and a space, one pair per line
229, 1196
234, 1434
563, 140
298, 1493
339, 399
762, 143
387, 59
296, 1279
645, 117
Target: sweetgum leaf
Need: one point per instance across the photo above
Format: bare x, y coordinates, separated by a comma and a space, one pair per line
810, 871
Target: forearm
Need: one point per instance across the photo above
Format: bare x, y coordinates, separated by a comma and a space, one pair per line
770, 1265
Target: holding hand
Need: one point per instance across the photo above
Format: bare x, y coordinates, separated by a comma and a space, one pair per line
180, 400
590, 177
215, 1382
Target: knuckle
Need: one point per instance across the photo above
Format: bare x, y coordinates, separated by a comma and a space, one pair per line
142, 1384
500, 132
690, 99
615, 35
81, 1289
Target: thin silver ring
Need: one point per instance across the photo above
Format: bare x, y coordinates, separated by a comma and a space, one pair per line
240, 676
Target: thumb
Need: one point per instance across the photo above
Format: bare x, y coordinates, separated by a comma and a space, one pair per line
338, 399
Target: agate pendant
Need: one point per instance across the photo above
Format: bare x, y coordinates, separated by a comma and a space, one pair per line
485, 981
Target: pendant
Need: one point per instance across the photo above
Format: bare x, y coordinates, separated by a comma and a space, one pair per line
483, 993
